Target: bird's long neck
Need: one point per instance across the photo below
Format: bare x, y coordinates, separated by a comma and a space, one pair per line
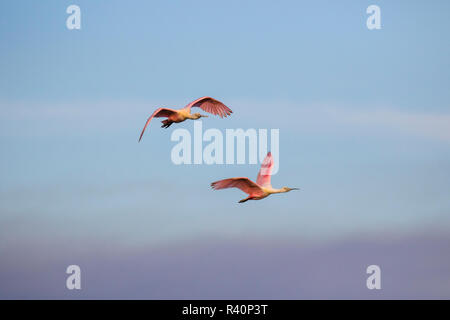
277, 190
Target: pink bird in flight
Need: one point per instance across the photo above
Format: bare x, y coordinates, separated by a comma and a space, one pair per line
256, 191
207, 104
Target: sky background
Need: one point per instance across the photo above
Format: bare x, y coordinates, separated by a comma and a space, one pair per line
364, 120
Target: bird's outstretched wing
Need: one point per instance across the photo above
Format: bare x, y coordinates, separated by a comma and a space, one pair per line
265, 172
210, 105
245, 184
160, 112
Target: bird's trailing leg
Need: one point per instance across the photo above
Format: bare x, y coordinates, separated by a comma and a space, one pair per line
243, 200
166, 123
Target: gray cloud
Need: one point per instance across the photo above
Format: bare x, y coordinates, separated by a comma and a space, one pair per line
413, 266
343, 118
323, 117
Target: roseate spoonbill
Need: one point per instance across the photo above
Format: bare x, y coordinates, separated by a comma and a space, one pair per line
256, 191
207, 104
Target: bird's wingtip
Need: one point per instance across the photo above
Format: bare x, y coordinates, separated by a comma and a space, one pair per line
214, 185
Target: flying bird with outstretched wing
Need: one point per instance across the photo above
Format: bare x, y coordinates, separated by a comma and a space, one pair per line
207, 104
256, 191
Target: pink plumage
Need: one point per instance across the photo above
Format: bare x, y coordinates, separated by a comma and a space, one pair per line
245, 184
210, 105
256, 191
265, 172
160, 112
207, 104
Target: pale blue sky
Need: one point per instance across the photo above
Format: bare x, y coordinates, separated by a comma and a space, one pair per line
364, 120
